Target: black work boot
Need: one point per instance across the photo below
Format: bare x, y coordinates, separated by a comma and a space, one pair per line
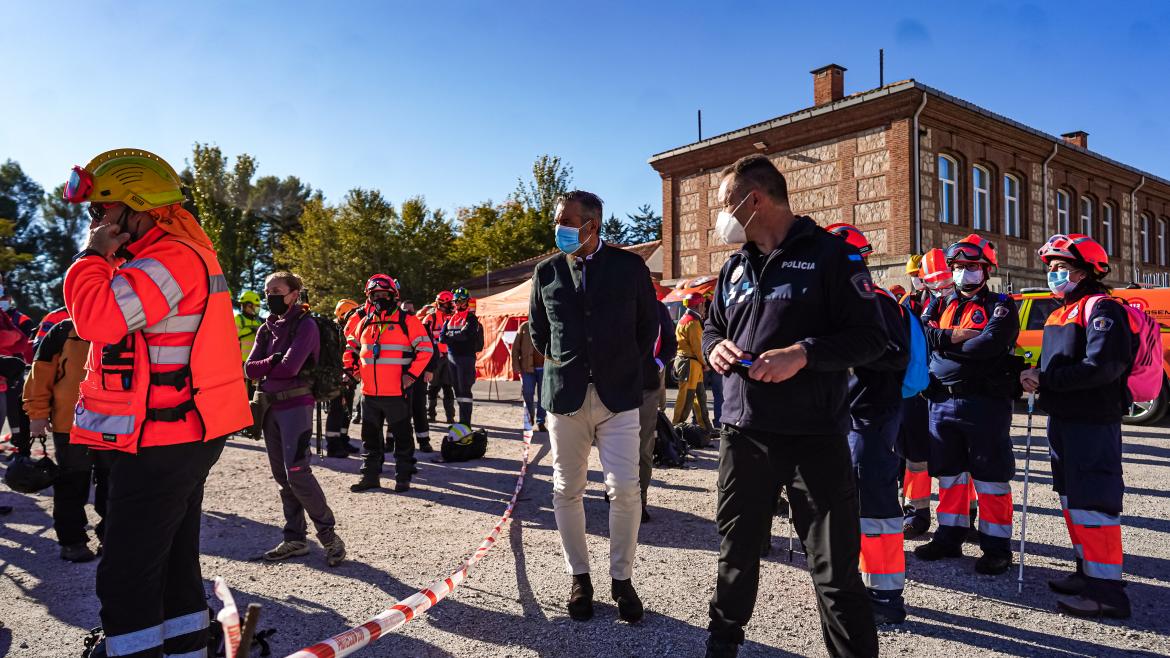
937, 550
915, 523
1085, 607
629, 605
993, 564
717, 648
1072, 584
581, 598
365, 484
425, 446
973, 529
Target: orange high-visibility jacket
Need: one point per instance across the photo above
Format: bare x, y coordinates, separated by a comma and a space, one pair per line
434, 325
163, 367
382, 346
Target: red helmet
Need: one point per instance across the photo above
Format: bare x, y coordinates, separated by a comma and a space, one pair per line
382, 282
444, 297
935, 272
852, 235
972, 249
1076, 248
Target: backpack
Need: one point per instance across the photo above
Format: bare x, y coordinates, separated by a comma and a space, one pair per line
1145, 377
670, 448
460, 444
695, 436
324, 375
917, 376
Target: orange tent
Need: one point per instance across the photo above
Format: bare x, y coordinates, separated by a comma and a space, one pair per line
703, 285
501, 315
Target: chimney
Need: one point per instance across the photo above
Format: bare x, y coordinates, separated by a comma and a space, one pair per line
1079, 138
828, 84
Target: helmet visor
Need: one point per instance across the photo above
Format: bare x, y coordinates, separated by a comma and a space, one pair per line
966, 252
79, 186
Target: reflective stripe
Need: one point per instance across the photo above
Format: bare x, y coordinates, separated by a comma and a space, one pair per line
954, 520
166, 355
464, 400
217, 283
88, 419
995, 529
948, 481
129, 304
1102, 570
196, 621
384, 361
1080, 549
134, 642
385, 347
425, 348
176, 324
992, 488
1064, 503
418, 340
884, 581
881, 526
161, 277
916, 467
422, 435
198, 653
1093, 519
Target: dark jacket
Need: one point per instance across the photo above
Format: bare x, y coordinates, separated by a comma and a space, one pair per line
981, 364
594, 321
294, 338
667, 348
814, 289
1085, 362
462, 333
877, 385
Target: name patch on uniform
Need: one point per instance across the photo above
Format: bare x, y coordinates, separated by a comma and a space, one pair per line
736, 273
1000, 312
1102, 324
863, 285
798, 265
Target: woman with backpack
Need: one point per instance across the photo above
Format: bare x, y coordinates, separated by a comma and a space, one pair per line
1086, 359
285, 343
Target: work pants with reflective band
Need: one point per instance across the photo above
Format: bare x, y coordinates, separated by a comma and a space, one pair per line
417, 394
378, 411
1086, 473
971, 446
464, 376
871, 446
442, 382
914, 447
148, 580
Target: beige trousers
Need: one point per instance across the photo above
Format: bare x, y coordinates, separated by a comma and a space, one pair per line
571, 436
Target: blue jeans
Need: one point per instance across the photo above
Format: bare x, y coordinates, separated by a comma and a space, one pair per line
714, 382
530, 384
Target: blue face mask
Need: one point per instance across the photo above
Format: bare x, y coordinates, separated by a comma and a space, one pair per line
568, 238
1059, 284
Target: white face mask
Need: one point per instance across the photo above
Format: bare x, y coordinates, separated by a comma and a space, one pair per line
728, 229
969, 280
916, 283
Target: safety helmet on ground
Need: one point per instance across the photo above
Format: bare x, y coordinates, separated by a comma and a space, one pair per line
382, 282
249, 297
936, 274
1077, 248
914, 265
444, 297
28, 475
460, 295
972, 249
140, 179
344, 306
852, 235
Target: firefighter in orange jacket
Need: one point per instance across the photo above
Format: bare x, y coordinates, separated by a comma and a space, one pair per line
444, 379
387, 350
162, 390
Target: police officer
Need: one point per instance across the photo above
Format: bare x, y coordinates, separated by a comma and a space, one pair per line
875, 405
974, 379
793, 311
1087, 355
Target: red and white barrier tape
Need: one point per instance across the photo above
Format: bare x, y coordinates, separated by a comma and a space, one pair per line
229, 618
396, 616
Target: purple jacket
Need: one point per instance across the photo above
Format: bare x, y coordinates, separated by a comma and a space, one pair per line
276, 336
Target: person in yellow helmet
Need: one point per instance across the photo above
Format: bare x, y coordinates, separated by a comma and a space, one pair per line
248, 321
690, 364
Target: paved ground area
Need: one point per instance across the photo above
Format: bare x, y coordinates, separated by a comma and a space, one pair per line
512, 604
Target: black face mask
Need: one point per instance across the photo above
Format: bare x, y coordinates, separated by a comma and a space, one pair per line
122, 252
384, 305
276, 304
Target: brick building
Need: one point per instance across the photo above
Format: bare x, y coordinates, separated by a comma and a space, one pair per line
852, 159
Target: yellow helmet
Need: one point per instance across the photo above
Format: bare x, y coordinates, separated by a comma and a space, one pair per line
914, 265
137, 178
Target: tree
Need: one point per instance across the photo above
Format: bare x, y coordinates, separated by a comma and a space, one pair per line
21, 234
223, 200
550, 180
424, 242
64, 226
614, 231
278, 205
645, 225
500, 234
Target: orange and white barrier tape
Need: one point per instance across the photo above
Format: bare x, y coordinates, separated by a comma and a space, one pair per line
398, 615
229, 619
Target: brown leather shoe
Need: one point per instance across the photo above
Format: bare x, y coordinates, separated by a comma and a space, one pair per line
581, 598
629, 605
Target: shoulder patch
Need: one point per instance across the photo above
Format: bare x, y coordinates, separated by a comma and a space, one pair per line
1102, 324
737, 273
863, 285
978, 316
1000, 311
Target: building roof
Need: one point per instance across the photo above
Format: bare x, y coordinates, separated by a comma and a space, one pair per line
883, 92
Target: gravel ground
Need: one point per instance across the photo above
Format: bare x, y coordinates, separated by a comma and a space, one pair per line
513, 602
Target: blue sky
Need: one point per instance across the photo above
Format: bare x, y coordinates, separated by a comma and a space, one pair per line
454, 100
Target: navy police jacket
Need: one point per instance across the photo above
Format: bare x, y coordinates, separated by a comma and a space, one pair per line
982, 360
1085, 361
815, 290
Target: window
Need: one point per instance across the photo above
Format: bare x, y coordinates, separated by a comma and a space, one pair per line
980, 199
1042, 307
1062, 223
1087, 216
948, 185
1145, 228
1107, 228
1161, 242
1011, 206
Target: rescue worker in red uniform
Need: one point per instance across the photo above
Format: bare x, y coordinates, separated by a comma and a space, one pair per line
875, 407
1086, 358
464, 338
443, 381
163, 388
387, 351
974, 379
417, 394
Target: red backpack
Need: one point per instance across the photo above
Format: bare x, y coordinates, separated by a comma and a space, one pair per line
1145, 378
